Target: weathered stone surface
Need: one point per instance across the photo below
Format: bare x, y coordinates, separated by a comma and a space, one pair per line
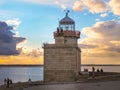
61, 62
59, 75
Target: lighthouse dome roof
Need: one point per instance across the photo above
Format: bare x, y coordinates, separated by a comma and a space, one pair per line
67, 20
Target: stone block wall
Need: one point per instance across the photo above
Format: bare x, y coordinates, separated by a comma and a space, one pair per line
61, 62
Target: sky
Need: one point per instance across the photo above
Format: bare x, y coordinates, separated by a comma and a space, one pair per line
26, 24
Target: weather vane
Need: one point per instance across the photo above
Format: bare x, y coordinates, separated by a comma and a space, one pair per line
66, 11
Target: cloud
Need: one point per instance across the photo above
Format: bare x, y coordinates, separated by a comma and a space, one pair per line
115, 6
97, 19
5, 35
95, 6
14, 22
7, 40
49, 2
40, 1
87, 46
63, 6
62, 3
8, 14
34, 52
104, 15
102, 40
78, 6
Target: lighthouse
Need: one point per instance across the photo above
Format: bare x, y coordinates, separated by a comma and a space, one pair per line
62, 59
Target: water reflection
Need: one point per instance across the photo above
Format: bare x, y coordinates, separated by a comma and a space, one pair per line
21, 74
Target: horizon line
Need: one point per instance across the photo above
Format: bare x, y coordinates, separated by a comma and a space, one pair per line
43, 65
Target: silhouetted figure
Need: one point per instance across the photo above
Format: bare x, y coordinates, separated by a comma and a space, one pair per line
57, 30
93, 69
98, 70
93, 72
8, 82
5, 81
101, 70
29, 81
85, 70
61, 30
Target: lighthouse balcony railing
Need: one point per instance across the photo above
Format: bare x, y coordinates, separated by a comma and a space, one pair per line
68, 33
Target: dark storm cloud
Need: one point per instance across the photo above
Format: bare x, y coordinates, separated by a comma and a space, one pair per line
7, 41
5, 34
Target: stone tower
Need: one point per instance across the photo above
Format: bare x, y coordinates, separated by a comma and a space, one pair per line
62, 60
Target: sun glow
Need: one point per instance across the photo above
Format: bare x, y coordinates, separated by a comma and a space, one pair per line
21, 60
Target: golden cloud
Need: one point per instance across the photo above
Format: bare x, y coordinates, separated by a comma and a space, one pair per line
78, 6
95, 6
102, 40
115, 6
20, 59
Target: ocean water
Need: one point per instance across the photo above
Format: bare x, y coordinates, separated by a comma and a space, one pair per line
22, 74
104, 67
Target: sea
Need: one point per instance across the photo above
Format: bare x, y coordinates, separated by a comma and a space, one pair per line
35, 73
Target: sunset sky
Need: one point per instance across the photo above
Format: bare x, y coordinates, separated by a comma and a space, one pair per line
34, 22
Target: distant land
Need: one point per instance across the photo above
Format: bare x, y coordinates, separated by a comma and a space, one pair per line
20, 65
39, 65
100, 64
